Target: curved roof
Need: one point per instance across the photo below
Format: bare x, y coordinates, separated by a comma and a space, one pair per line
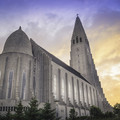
19, 42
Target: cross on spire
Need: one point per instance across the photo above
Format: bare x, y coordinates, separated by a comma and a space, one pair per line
77, 15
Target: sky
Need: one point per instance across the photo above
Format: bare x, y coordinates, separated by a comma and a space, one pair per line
50, 24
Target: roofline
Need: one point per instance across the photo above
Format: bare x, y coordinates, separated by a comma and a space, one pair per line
59, 62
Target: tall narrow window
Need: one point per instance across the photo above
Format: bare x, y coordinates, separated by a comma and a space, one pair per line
55, 86
80, 39
69, 89
76, 91
59, 83
23, 86
34, 84
77, 39
94, 97
66, 86
62, 89
97, 98
91, 96
83, 92
10, 84
87, 94
73, 95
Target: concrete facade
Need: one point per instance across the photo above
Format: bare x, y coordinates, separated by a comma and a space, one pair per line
27, 70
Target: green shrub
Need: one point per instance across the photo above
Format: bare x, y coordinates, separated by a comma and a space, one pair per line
95, 112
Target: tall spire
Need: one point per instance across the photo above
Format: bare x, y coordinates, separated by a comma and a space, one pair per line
79, 48
78, 29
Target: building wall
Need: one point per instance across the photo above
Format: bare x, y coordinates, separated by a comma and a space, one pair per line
77, 94
15, 79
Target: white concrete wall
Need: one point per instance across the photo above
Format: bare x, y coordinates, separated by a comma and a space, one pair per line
84, 94
18, 64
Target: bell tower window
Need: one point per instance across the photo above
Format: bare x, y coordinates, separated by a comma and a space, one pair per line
77, 39
80, 39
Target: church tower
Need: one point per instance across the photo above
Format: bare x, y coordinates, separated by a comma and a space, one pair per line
80, 55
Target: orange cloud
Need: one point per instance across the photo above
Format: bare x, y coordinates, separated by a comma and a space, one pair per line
106, 54
111, 88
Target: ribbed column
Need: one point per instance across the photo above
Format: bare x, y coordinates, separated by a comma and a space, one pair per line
83, 95
87, 95
59, 84
73, 96
78, 89
66, 92
66, 87
17, 78
91, 96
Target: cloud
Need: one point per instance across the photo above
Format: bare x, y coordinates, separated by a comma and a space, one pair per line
53, 33
104, 37
51, 15
111, 89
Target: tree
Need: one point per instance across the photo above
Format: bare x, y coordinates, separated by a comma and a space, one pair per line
8, 116
19, 112
72, 115
47, 113
117, 109
109, 115
32, 112
95, 112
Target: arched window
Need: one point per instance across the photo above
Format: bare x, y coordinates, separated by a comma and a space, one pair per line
83, 92
94, 96
91, 96
62, 89
77, 39
23, 86
66, 86
80, 39
54, 86
87, 94
34, 84
69, 89
10, 79
76, 90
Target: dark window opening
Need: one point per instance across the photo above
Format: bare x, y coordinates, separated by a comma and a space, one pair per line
3, 108
0, 108
6, 108
77, 39
73, 41
80, 39
11, 108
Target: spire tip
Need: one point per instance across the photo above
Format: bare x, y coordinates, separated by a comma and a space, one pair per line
20, 28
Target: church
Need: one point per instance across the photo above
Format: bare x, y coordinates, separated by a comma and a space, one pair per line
28, 70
